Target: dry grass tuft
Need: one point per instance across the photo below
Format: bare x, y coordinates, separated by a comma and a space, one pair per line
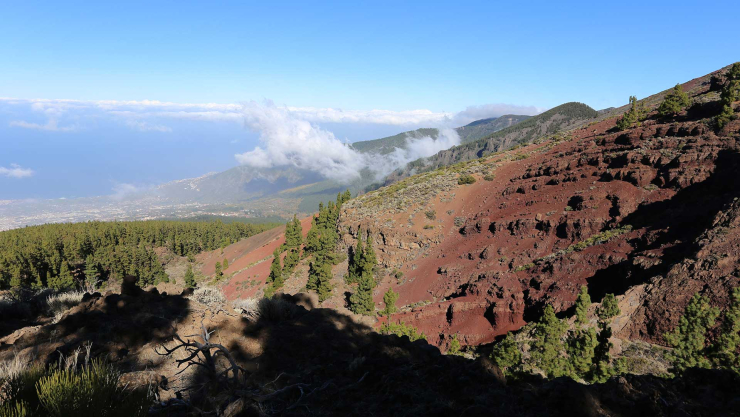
271, 309
209, 296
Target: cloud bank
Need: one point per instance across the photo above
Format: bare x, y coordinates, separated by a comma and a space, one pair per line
288, 135
287, 139
15, 171
138, 115
290, 141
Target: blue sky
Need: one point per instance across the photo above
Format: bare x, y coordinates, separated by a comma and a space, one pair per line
440, 57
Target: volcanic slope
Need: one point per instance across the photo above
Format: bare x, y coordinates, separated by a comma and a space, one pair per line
560, 118
651, 214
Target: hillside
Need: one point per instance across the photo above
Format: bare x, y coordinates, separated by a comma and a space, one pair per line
468, 133
555, 120
480, 129
650, 214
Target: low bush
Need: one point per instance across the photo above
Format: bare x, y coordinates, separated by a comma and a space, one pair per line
465, 179
67, 389
401, 329
209, 296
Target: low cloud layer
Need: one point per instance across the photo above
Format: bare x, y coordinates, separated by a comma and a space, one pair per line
485, 111
288, 136
124, 190
62, 115
289, 140
15, 171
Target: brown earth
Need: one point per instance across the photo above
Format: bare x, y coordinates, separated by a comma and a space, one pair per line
249, 261
495, 252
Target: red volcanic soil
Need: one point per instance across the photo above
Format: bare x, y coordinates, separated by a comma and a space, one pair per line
249, 261
500, 250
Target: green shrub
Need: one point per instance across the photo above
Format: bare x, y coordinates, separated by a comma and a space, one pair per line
688, 339
93, 389
389, 298
65, 392
428, 227
524, 267
609, 308
726, 351
634, 116
674, 102
431, 214
465, 179
401, 329
582, 303
454, 348
548, 348
506, 354
397, 273
489, 177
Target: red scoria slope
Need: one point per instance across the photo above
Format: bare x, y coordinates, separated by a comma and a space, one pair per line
479, 260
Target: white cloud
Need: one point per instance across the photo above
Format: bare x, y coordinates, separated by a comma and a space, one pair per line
234, 112
485, 111
142, 126
123, 190
15, 171
288, 140
291, 141
51, 126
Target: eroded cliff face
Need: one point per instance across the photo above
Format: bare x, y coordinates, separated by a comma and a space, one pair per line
650, 214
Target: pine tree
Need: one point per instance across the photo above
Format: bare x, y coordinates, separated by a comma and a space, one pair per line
674, 102
361, 302
547, 348
312, 238
506, 354
688, 339
582, 303
219, 271
64, 280
327, 243
298, 231
581, 351
725, 116
276, 272
633, 116
293, 233
319, 279
602, 369
356, 261
226, 264
389, 298
609, 308
729, 94
292, 259
91, 272
370, 260
189, 278
726, 350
